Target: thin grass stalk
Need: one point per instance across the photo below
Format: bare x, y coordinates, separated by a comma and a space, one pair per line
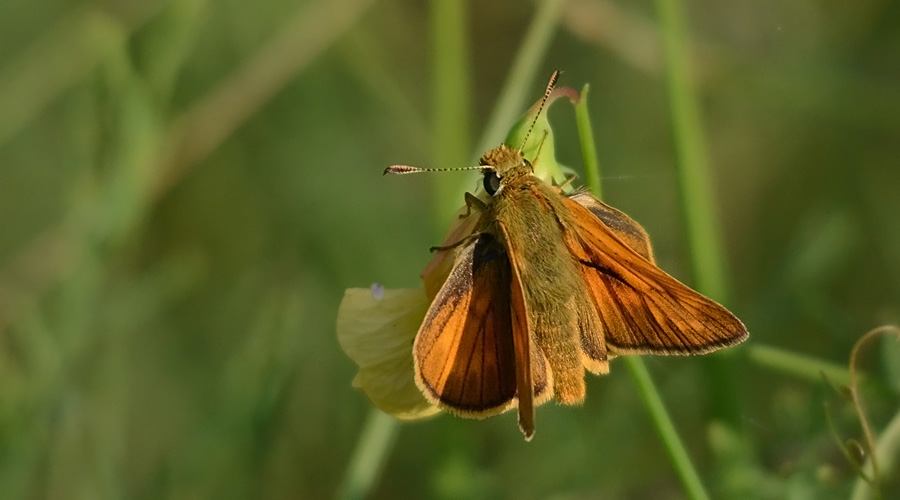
694, 176
370, 456
687, 472
588, 147
798, 365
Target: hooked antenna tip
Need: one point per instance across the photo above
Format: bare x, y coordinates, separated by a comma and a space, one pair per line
401, 169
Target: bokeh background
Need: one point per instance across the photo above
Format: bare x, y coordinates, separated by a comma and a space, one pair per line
187, 187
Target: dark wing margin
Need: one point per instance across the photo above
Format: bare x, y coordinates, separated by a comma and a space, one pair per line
464, 353
642, 309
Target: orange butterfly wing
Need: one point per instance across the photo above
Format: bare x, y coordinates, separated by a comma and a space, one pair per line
642, 309
465, 354
630, 232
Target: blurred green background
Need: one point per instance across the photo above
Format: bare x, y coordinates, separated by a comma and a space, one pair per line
187, 188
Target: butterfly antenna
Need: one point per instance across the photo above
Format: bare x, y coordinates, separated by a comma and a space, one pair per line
406, 169
550, 85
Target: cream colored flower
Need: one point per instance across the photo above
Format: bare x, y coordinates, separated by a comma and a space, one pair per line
378, 335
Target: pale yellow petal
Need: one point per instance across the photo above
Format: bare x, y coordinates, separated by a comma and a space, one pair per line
378, 334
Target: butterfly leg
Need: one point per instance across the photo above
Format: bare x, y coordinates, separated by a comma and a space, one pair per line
472, 201
467, 239
569, 180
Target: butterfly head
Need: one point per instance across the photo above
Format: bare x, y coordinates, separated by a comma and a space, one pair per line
501, 165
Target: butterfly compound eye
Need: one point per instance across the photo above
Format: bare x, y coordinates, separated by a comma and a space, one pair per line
491, 182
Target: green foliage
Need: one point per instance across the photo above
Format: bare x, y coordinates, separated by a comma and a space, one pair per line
186, 189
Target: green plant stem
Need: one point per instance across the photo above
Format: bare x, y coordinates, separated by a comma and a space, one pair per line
690, 479
518, 84
801, 366
684, 467
588, 148
694, 176
375, 443
696, 195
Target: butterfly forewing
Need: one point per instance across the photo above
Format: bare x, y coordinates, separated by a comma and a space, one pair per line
642, 309
630, 232
464, 351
